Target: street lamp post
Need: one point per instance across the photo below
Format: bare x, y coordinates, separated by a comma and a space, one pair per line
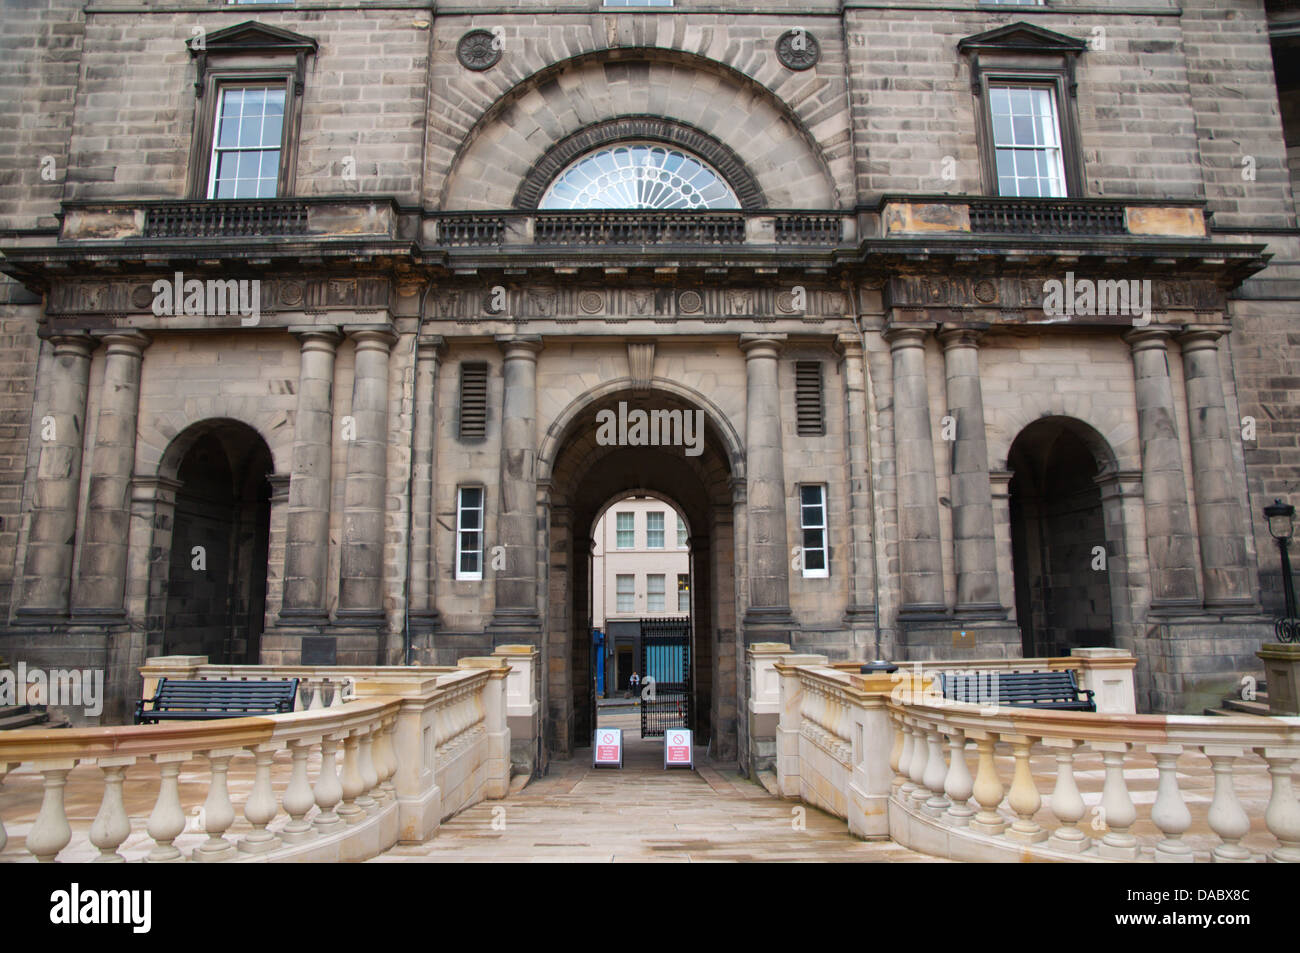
1281, 526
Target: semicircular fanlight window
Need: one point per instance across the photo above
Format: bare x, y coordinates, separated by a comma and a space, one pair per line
639, 175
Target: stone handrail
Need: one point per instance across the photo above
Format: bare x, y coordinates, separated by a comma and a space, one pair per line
908, 776
414, 748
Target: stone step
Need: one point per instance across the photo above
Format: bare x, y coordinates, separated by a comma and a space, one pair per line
25, 716
1239, 706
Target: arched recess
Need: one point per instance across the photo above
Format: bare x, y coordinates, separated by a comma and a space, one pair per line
1065, 536
581, 478
209, 574
496, 160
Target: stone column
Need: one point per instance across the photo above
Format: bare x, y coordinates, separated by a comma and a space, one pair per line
920, 558
862, 582
1175, 562
424, 554
516, 584
362, 553
1218, 509
769, 551
101, 586
47, 569
974, 545
307, 524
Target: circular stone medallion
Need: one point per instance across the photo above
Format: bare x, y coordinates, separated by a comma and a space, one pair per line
478, 50
689, 302
797, 49
590, 302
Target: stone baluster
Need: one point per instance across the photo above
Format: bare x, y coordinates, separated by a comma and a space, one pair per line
298, 798
4, 838
218, 811
916, 769
387, 761
1169, 812
1118, 811
168, 818
369, 775
936, 772
896, 752
1024, 798
329, 791
1227, 818
317, 696
1283, 813
353, 786
958, 784
260, 807
111, 826
988, 786
905, 758
1067, 803
51, 832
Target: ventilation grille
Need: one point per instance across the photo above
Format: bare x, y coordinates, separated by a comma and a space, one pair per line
809, 402
473, 401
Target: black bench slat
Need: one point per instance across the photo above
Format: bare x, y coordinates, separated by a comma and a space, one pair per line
193, 700
1059, 690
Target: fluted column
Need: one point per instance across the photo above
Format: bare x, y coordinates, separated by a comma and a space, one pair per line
861, 556
60, 432
362, 552
919, 552
424, 554
306, 548
769, 551
516, 584
1219, 515
101, 586
972, 491
1171, 545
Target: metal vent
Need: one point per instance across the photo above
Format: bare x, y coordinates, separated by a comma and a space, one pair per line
809, 399
473, 401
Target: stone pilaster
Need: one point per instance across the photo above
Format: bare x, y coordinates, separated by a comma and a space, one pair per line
974, 545
769, 551
47, 569
1219, 515
1171, 545
861, 557
516, 584
424, 554
362, 552
101, 587
919, 553
306, 548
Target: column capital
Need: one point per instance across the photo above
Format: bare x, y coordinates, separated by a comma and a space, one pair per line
956, 337
761, 345
371, 336
904, 336
1147, 339
154, 488
279, 486
849, 344
1201, 337
124, 341
76, 343
520, 347
317, 337
431, 344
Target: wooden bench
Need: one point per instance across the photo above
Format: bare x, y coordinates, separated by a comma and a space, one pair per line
196, 700
1019, 689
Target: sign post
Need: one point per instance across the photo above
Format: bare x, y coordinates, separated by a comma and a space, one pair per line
677, 748
607, 747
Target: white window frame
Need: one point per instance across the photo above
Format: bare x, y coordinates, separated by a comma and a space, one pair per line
461, 574
683, 536
618, 530
684, 593
218, 150
619, 593
1054, 155
650, 530
823, 528
661, 595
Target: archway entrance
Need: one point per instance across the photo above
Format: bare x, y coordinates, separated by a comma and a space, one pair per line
589, 474
1058, 537
216, 573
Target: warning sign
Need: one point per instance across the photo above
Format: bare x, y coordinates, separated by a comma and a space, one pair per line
607, 747
677, 748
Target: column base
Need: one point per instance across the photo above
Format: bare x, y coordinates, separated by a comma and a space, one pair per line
360, 618
1242, 606
981, 610
41, 617
97, 616
923, 612
303, 618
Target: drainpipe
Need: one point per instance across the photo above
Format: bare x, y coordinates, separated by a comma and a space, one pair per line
407, 647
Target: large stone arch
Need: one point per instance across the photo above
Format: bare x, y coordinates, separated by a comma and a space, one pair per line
493, 158
1111, 434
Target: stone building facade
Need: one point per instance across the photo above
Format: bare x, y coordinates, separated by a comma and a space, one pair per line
864, 319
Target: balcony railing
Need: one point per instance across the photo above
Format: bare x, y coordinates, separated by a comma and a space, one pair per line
226, 219
1045, 217
639, 228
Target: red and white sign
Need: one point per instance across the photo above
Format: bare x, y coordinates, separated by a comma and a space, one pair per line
608, 747
677, 747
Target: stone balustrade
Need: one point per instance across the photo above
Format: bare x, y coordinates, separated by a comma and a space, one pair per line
411, 749
892, 757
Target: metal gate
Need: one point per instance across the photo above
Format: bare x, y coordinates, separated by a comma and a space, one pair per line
666, 658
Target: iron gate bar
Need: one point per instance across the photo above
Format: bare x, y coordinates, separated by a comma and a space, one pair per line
666, 657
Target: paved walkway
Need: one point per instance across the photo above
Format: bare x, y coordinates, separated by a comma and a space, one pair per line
644, 813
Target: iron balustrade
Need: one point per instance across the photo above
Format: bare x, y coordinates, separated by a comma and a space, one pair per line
226, 219
1046, 217
639, 228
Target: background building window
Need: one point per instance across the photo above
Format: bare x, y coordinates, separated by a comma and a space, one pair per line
625, 531
683, 593
625, 593
639, 175
469, 533
1027, 141
246, 143
812, 520
681, 533
654, 531
654, 593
